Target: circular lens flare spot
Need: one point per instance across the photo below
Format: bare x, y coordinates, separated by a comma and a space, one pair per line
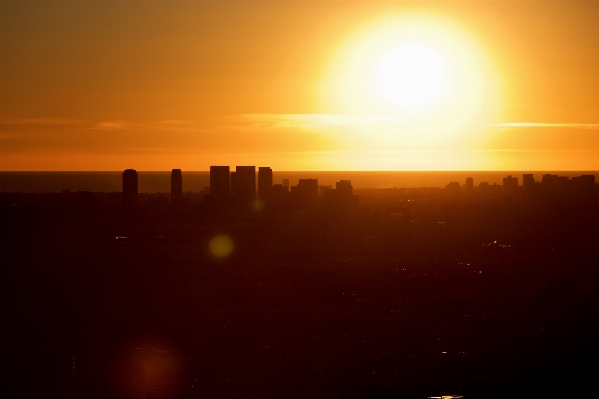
411, 76
258, 205
221, 246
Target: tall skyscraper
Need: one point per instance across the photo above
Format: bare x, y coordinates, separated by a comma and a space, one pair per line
176, 189
130, 187
469, 183
264, 182
510, 185
528, 181
243, 186
220, 186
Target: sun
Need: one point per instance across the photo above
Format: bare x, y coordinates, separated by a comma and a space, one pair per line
431, 81
410, 76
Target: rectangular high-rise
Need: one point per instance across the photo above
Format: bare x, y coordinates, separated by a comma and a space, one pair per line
344, 187
528, 181
264, 182
305, 194
243, 186
341, 199
510, 185
220, 186
176, 189
130, 187
308, 187
469, 183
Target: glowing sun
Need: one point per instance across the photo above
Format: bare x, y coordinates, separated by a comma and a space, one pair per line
432, 81
410, 76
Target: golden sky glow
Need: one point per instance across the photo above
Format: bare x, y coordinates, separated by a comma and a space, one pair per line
299, 85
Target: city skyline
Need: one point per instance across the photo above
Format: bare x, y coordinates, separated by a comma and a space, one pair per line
304, 199
246, 187
452, 85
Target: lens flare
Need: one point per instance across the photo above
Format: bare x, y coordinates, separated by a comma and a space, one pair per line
258, 205
221, 246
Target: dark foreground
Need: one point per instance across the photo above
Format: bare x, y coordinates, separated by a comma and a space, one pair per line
309, 304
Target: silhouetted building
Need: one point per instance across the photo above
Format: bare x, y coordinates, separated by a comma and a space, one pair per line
528, 181
243, 186
469, 183
554, 184
130, 187
279, 195
280, 189
176, 189
510, 185
322, 189
548, 178
286, 183
341, 199
308, 186
344, 187
220, 186
583, 180
264, 182
305, 194
495, 189
453, 187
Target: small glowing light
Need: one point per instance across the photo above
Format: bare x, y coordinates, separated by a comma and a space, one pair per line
221, 246
258, 205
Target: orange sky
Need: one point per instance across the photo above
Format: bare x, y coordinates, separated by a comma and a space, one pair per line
156, 85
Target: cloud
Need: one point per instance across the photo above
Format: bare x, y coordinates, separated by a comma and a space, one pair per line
40, 121
176, 125
110, 125
169, 125
173, 122
310, 122
591, 126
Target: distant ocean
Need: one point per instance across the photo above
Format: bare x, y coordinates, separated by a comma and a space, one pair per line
31, 182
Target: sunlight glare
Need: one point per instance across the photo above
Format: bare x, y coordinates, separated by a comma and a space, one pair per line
434, 79
411, 76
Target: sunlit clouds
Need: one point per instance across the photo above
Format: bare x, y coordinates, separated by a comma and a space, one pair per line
110, 125
536, 124
295, 141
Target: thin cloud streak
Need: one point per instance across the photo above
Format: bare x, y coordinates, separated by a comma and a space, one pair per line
311, 122
110, 125
383, 152
169, 125
592, 126
40, 121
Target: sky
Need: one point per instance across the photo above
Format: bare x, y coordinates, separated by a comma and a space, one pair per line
299, 85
